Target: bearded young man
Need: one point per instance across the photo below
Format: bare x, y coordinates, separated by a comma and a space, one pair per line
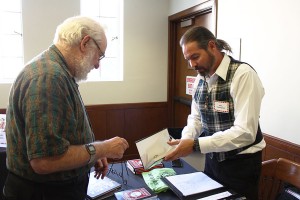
50, 143
224, 113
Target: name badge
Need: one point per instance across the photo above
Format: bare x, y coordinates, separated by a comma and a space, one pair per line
221, 106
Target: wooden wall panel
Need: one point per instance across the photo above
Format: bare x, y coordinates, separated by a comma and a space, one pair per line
131, 121
115, 123
138, 120
181, 113
98, 121
141, 123
278, 148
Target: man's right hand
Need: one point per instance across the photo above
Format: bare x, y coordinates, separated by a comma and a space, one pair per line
112, 148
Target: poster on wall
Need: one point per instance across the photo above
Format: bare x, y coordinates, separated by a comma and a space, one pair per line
2, 130
189, 84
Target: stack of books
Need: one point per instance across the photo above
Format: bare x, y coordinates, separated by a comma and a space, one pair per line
136, 166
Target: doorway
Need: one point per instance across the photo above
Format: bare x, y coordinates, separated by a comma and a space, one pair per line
179, 102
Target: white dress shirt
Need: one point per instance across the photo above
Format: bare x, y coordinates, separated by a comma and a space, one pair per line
247, 92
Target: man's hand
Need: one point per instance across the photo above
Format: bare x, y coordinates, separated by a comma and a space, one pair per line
101, 168
184, 148
112, 148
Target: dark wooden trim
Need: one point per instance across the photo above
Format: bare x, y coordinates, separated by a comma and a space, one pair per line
279, 148
137, 120
127, 106
131, 121
183, 100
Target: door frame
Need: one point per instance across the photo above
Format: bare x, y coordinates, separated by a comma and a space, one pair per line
205, 7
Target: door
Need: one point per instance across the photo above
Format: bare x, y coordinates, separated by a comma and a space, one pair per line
178, 101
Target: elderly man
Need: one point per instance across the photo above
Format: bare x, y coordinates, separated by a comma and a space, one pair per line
50, 142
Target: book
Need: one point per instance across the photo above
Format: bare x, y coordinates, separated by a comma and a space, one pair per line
101, 188
153, 149
193, 185
136, 194
136, 166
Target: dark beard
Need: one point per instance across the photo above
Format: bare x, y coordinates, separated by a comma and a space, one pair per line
211, 62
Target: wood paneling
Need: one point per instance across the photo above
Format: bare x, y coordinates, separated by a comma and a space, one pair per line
138, 120
278, 148
131, 121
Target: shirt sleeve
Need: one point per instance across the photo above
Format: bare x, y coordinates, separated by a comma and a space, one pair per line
247, 92
194, 126
48, 119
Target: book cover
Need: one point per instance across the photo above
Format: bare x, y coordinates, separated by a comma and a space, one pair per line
193, 185
153, 149
136, 166
136, 194
101, 188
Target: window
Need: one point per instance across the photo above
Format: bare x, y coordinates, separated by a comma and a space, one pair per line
109, 13
11, 40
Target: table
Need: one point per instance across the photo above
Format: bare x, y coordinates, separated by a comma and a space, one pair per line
137, 181
119, 174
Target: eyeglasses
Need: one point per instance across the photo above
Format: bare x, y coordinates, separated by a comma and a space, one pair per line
102, 54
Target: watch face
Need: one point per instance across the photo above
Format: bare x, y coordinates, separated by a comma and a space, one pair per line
91, 148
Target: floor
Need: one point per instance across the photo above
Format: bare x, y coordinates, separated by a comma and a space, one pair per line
196, 160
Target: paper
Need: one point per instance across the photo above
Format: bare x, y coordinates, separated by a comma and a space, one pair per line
2, 130
193, 183
154, 148
190, 85
2, 139
217, 196
154, 179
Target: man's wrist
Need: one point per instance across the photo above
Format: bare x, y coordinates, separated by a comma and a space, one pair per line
92, 151
196, 146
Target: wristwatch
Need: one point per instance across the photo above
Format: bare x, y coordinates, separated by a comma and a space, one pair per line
92, 151
196, 146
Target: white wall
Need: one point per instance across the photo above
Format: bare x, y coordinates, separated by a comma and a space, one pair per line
145, 49
270, 31
179, 5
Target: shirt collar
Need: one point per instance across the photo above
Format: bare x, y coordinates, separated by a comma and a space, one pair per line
62, 61
223, 67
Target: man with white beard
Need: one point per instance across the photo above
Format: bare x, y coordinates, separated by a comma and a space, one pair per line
50, 143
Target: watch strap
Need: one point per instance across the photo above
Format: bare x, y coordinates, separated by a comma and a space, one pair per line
92, 151
196, 146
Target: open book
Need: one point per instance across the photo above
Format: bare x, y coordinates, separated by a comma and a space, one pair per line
153, 149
